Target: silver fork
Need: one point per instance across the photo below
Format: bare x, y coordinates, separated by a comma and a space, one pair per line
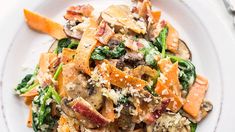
230, 5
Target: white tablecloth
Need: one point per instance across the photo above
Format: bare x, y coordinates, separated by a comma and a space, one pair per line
13, 8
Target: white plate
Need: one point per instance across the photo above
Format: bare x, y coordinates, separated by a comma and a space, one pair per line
208, 56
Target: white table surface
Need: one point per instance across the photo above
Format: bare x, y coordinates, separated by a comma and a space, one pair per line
13, 8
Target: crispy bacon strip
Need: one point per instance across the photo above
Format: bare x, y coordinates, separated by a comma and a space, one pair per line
85, 109
77, 12
104, 33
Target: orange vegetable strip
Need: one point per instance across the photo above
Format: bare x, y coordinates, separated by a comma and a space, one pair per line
164, 64
31, 93
173, 80
60, 87
46, 59
172, 40
28, 100
86, 47
141, 70
123, 80
30, 118
195, 96
105, 74
67, 55
156, 16
175, 103
44, 25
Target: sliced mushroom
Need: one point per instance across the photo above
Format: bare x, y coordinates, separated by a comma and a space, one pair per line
77, 85
120, 15
104, 129
125, 120
184, 51
66, 109
133, 59
71, 32
71, 113
207, 106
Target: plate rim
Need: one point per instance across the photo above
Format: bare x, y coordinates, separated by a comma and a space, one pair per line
183, 1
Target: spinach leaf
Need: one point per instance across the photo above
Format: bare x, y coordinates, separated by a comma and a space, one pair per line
42, 117
101, 53
24, 84
150, 51
123, 100
27, 83
117, 51
63, 43
160, 41
193, 126
187, 73
66, 43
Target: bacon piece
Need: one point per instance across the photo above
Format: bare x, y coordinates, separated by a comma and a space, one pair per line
101, 28
77, 12
151, 117
104, 33
85, 109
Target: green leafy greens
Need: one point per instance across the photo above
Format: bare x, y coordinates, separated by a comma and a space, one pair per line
151, 87
160, 41
123, 100
102, 52
66, 43
150, 51
59, 69
42, 117
193, 127
27, 83
187, 73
